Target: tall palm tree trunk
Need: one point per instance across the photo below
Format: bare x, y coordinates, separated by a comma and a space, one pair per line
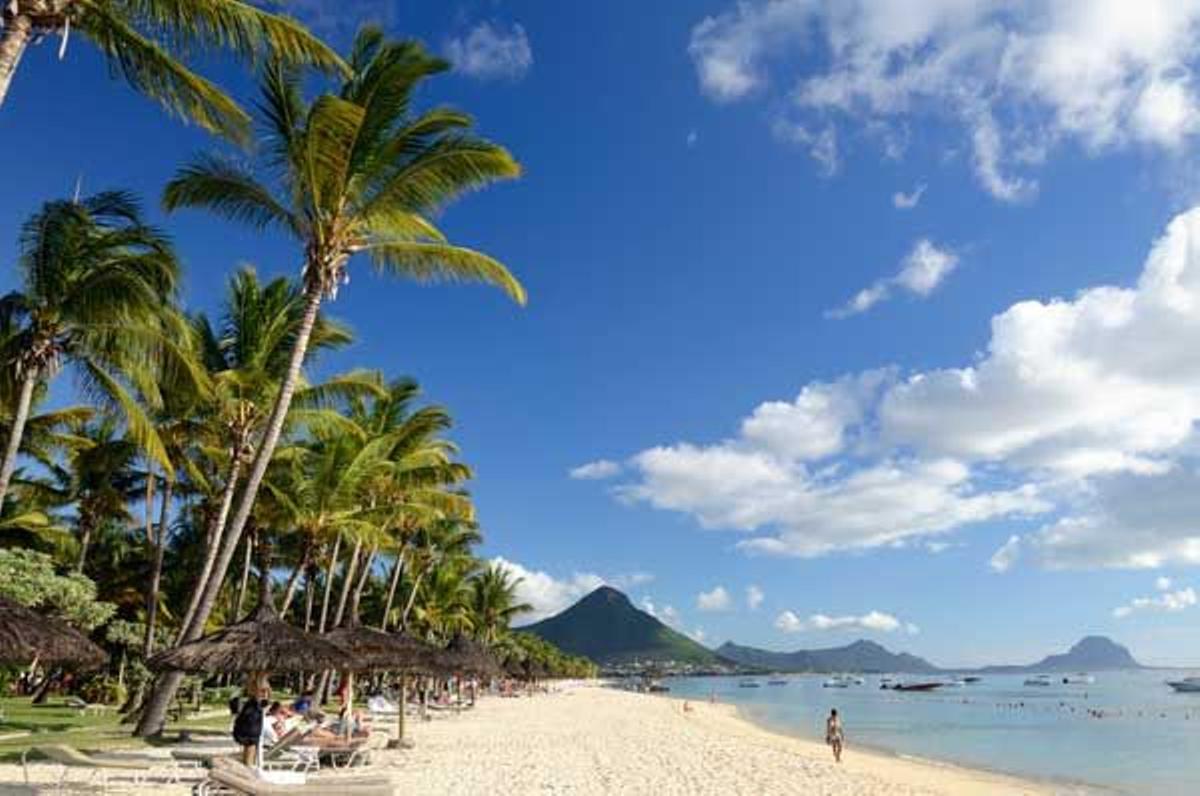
412, 598
397, 569
160, 547
18, 30
309, 587
25, 399
244, 583
86, 526
329, 573
214, 543
155, 714
363, 578
347, 583
294, 580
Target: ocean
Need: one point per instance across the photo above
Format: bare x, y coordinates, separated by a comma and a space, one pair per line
1128, 732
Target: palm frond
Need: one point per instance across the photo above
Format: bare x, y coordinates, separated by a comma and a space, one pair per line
152, 71
228, 190
235, 25
439, 262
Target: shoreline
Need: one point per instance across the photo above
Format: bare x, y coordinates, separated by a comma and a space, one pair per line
589, 739
1056, 784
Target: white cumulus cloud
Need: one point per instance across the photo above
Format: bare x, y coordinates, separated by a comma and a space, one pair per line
1079, 414
1006, 555
716, 599
548, 595
1166, 601
876, 621
924, 268
1016, 78
663, 613
489, 51
754, 597
907, 201
596, 471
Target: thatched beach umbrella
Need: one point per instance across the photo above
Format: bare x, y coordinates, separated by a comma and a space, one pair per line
381, 651
26, 636
464, 655
514, 668
262, 642
535, 670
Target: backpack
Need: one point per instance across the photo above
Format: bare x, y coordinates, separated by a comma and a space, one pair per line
247, 727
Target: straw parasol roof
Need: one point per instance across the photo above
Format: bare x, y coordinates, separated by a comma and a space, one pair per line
26, 635
378, 650
262, 642
514, 668
464, 655
535, 670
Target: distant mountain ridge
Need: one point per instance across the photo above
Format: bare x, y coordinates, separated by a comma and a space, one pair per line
607, 628
861, 656
1091, 653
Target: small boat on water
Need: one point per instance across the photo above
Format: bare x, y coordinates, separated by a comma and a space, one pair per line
777, 681
917, 686
1188, 685
836, 682
749, 684
1040, 680
971, 679
1079, 678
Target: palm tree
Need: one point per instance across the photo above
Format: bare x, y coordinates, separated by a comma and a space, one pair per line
358, 172
97, 288
245, 359
136, 36
494, 603
99, 480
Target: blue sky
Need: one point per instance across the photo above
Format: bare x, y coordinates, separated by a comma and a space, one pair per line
709, 186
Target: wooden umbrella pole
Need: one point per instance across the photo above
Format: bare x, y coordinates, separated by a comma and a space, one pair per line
403, 702
348, 721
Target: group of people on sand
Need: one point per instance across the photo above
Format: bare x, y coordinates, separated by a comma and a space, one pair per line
258, 719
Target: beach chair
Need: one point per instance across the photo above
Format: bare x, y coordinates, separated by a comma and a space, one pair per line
99, 770
231, 777
290, 753
83, 707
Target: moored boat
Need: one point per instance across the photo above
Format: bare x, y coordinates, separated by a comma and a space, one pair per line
918, 686
749, 684
1039, 680
1188, 685
1079, 678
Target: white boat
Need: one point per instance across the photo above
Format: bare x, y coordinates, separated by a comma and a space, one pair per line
1188, 685
1079, 678
835, 682
1040, 680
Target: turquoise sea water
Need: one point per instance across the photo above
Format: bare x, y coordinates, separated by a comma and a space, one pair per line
1127, 732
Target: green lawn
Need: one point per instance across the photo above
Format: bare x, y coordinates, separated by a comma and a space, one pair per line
54, 723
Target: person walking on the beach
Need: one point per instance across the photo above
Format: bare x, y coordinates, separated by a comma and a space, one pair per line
833, 734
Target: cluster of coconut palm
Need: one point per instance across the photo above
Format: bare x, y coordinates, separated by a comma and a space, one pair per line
214, 426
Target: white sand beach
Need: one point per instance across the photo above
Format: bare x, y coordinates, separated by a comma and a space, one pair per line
593, 740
